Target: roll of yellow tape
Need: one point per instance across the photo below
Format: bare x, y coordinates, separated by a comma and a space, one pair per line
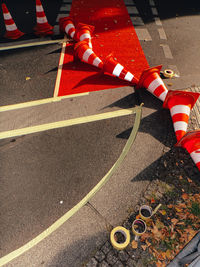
168, 73
125, 233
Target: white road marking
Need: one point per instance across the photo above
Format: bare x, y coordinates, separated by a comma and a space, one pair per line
132, 10
137, 21
158, 21
162, 34
167, 51
61, 16
143, 34
154, 11
65, 7
128, 2
151, 3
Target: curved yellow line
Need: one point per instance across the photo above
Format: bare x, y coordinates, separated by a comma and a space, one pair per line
16, 253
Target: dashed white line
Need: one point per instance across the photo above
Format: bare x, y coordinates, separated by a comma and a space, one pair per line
137, 21
151, 3
158, 21
154, 11
143, 34
167, 51
132, 10
162, 34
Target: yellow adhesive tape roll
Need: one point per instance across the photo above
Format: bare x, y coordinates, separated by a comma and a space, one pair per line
125, 233
168, 73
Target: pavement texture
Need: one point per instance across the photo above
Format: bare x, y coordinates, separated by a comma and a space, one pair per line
83, 240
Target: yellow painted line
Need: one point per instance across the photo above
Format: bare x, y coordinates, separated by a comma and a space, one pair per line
39, 102
65, 123
16, 253
60, 66
32, 44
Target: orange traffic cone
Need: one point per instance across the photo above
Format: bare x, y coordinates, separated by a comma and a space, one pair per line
113, 67
150, 79
180, 103
66, 25
84, 32
191, 142
42, 28
85, 54
11, 29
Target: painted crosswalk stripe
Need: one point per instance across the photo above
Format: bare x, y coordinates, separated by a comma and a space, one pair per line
132, 10
154, 11
162, 34
158, 21
167, 51
151, 3
65, 8
137, 21
128, 2
143, 34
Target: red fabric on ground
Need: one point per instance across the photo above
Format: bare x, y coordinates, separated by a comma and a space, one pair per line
114, 33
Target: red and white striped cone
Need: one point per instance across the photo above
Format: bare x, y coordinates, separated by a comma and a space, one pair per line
191, 142
84, 32
42, 27
150, 79
66, 25
111, 66
12, 31
85, 54
180, 103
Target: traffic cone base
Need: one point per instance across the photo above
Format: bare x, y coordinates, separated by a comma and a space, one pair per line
42, 28
150, 79
180, 103
66, 25
112, 67
11, 29
191, 142
85, 54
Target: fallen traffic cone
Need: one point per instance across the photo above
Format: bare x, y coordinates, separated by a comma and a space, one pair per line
191, 142
11, 29
113, 67
84, 32
42, 28
180, 103
66, 25
85, 54
150, 79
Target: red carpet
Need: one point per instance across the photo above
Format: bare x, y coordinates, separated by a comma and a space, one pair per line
115, 33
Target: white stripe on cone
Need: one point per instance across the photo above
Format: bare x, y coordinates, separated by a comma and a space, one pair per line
163, 96
180, 126
117, 70
195, 155
11, 27
39, 9
180, 109
68, 27
128, 77
72, 34
154, 84
7, 16
85, 36
42, 20
97, 61
86, 54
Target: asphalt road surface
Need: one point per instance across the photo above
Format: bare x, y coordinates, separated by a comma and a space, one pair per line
43, 175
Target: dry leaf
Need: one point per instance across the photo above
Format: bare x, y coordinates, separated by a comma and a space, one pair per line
148, 243
178, 209
134, 244
143, 247
189, 180
185, 196
159, 264
181, 177
170, 206
163, 212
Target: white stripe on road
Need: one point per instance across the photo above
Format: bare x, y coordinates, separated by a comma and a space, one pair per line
128, 2
132, 10
137, 21
158, 21
65, 8
162, 34
167, 51
154, 11
151, 3
143, 34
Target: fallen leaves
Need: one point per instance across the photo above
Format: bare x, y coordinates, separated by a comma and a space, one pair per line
134, 244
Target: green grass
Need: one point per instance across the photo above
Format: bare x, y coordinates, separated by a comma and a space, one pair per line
195, 209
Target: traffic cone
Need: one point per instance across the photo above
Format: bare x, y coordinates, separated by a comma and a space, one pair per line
180, 103
85, 54
84, 32
113, 67
11, 29
191, 142
150, 79
42, 28
66, 25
